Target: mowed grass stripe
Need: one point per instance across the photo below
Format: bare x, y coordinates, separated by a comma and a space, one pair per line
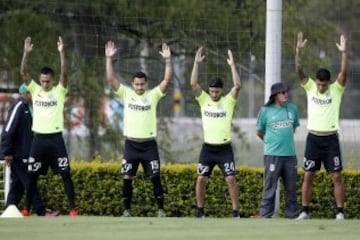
91, 228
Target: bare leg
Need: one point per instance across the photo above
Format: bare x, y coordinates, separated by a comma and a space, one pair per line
200, 191
233, 191
339, 191
307, 188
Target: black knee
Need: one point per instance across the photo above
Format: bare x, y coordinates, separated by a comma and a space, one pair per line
67, 180
65, 175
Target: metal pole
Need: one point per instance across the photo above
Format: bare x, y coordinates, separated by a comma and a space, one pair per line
251, 92
273, 59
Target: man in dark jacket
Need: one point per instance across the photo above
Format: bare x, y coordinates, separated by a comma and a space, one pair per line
16, 139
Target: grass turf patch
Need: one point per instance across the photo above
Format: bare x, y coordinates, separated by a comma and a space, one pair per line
89, 228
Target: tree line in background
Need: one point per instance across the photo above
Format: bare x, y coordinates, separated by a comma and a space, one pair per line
139, 27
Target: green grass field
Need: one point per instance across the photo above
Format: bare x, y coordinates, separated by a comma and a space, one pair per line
89, 228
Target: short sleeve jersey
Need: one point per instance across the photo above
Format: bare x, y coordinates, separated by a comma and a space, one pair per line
216, 117
278, 125
323, 109
139, 111
48, 108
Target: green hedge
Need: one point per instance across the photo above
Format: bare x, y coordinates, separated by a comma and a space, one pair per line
98, 192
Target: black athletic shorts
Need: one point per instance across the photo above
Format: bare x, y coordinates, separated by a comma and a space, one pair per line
211, 155
322, 149
145, 153
48, 150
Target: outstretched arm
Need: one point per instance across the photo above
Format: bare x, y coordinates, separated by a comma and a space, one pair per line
166, 54
63, 69
341, 78
235, 76
110, 50
23, 67
195, 72
298, 64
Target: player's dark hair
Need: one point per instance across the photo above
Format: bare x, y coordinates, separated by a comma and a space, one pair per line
323, 75
47, 71
216, 82
140, 75
271, 100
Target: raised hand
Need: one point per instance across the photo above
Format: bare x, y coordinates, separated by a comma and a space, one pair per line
165, 52
342, 45
28, 46
60, 44
300, 41
230, 60
110, 49
198, 56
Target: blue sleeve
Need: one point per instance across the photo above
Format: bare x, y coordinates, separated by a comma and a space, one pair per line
11, 124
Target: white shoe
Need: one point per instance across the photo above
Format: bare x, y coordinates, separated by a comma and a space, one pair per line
303, 216
161, 213
340, 216
126, 213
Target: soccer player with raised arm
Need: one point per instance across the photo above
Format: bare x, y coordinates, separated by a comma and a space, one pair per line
322, 142
48, 146
217, 113
140, 129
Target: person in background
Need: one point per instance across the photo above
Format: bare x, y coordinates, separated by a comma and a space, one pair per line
140, 126
16, 139
322, 142
48, 146
276, 124
216, 112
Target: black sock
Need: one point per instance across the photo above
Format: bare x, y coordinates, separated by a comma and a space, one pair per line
127, 192
32, 186
340, 210
235, 213
200, 211
306, 209
158, 191
69, 188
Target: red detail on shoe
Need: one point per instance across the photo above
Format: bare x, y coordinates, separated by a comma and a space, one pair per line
50, 213
74, 213
25, 212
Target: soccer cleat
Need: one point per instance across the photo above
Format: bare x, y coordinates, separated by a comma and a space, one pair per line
126, 213
25, 212
74, 213
50, 213
340, 216
161, 213
200, 214
236, 214
303, 216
